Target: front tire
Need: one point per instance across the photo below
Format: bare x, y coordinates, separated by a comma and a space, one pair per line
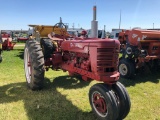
47, 47
123, 100
126, 68
103, 102
34, 65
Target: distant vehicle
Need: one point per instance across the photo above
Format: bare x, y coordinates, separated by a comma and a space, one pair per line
73, 32
89, 33
0, 48
115, 33
22, 38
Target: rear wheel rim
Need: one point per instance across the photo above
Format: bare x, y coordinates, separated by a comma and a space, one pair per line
123, 69
27, 66
99, 104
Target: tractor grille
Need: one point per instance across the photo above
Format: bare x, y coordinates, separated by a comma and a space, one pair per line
106, 59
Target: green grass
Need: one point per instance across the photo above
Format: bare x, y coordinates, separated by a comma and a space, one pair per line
65, 97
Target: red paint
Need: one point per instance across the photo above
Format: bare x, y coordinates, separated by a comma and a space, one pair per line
94, 59
99, 103
7, 44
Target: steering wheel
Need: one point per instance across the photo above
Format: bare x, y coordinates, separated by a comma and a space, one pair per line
62, 27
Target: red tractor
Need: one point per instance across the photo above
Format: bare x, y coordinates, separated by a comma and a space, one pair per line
139, 48
7, 43
0, 48
93, 59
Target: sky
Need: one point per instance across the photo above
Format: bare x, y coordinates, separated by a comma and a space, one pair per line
18, 14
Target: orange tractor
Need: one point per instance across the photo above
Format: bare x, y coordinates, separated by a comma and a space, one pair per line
51, 47
139, 48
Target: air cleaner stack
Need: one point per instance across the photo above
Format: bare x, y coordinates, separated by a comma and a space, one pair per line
94, 24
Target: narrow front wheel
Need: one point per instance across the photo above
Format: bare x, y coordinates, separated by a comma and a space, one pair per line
103, 102
123, 99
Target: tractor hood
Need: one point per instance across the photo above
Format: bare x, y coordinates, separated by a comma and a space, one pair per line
83, 45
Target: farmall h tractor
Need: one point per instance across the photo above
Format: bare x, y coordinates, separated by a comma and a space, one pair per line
139, 48
93, 59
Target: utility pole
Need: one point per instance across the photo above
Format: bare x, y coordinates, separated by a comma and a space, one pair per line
104, 27
153, 25
120, 21
73, 26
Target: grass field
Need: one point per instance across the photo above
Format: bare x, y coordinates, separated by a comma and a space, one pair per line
64, 97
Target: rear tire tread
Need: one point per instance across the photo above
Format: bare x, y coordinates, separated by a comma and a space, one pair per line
37, 62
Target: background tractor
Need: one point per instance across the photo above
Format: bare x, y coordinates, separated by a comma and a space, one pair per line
7, 40
0, 48
92, 58
139, 48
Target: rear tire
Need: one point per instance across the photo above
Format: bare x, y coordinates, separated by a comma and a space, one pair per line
34, 65
126, 68
103, 102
